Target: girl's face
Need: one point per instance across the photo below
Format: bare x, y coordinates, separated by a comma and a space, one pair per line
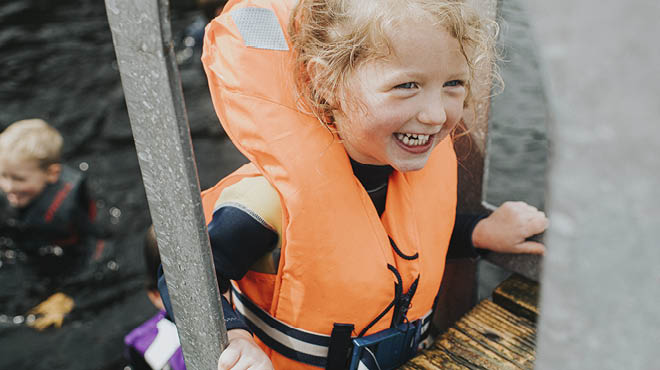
397, 110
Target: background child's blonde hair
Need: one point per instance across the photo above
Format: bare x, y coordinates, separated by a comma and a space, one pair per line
31, 139
332, 38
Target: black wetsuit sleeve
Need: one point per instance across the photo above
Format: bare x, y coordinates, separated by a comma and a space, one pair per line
232, 319
461, 245
238, 239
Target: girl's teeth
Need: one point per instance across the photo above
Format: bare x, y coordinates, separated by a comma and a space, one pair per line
413, 139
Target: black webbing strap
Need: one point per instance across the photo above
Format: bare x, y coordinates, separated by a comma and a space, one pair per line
339, 351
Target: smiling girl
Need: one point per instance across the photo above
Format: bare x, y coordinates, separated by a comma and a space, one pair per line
335, 235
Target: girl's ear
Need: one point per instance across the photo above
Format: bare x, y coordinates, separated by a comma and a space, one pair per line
53, 173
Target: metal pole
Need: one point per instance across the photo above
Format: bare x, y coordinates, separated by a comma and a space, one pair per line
152, 87
601, 278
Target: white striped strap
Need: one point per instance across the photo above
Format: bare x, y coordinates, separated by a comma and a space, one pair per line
297, 344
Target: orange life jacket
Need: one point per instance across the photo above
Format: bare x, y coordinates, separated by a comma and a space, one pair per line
338, 263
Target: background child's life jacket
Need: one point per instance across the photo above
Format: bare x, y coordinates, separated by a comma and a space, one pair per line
57, 229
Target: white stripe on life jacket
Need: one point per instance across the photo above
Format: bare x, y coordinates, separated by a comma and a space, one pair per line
285, 340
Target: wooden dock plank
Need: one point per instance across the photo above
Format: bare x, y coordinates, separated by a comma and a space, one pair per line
498, 334
502, 320
473, 352
435, 360
489, 337
518, 295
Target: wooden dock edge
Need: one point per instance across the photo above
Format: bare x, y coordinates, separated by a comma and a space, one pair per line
497, 334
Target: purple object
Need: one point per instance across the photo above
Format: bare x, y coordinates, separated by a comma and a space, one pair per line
157, 341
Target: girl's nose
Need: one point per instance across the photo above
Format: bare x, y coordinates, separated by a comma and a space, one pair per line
433, 112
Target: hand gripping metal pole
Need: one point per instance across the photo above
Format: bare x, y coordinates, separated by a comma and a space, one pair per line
152, 87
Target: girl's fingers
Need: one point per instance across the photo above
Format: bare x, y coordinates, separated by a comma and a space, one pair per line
529, 247
537, 223
246, 362
228, 359
261, 367
242, 364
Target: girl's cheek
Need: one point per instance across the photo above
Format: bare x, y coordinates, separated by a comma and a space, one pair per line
455, 112
459, 115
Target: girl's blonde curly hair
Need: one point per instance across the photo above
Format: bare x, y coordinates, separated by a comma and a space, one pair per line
331, 38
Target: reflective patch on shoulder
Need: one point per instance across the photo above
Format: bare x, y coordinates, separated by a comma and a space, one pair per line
260, 28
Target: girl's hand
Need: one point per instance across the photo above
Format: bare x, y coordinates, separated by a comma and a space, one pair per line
506, 229
243, 353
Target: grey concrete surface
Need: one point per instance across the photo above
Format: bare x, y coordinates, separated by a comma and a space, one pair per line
601, 281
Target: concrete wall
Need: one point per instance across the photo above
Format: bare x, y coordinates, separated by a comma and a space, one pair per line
601, 278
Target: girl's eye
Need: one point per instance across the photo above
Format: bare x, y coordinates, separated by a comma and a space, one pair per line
407, 85
454, 83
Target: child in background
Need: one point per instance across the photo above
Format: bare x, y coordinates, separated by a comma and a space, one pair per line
48, 218
339, 227
154, 344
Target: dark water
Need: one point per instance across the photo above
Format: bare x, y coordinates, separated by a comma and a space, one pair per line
57, 63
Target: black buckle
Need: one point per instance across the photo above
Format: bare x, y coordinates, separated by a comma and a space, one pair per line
387, 349
339, 350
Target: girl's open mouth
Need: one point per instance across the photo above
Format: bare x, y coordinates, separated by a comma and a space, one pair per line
414, 143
